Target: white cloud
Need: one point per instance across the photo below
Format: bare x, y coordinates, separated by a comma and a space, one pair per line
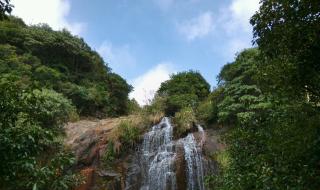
238, 15
164, 4
52, 12
235, 46
119, 57
233, 21
197, 27
147, 84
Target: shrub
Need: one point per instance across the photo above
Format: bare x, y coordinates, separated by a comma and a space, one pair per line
48, 107
129, 133
185, 89
31, 155
183, 120
109, 155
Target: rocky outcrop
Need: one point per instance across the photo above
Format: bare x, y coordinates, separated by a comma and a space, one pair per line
88, 140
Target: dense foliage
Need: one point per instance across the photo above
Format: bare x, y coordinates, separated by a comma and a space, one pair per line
185, 89
242, 97
59, 61
46, 79
274, 143
272, 100
287, 33
270, 96
30, 123
207, 110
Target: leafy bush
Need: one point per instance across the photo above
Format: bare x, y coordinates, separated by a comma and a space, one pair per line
109, 155
48, 107
129, 133
207, 111
31, 154
280, 153
177, 102
184, 121
133, 107
153, 112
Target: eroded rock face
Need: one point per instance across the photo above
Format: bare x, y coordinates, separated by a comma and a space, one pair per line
88, 139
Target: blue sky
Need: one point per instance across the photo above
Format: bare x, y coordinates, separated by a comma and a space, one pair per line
147, 40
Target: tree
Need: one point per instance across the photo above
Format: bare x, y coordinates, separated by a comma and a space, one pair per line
242, 95
273, 143
185, 89
288, 35
5, 8
30, 124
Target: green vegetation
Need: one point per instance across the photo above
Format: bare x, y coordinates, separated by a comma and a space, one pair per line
48, 78
274, 142
59, 61
129, 133
185, 89
30, 123
287, 33
123, 138
268, 99
242, 98
183, 120
270, 95
110, 155
207, 111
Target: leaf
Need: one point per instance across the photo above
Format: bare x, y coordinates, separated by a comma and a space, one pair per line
35, 187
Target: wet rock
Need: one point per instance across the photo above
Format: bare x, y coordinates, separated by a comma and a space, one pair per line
87, 139
213, 142
108, 174
88, 174
180, 167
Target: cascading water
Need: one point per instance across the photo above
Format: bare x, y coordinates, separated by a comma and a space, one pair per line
154, 166
158, 158
193, 157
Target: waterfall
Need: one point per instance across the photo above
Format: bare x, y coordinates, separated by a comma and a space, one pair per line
154, 167
158, 157
192, 155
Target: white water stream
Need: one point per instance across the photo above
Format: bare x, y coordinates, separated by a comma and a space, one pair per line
157, 160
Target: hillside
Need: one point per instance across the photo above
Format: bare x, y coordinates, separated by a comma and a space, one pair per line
66, 121
39, 57
48, 78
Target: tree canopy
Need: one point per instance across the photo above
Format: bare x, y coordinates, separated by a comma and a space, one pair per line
270, 98
184, 89
62, 62
287, 33
242, 96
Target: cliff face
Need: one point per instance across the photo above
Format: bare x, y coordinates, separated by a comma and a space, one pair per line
88, 140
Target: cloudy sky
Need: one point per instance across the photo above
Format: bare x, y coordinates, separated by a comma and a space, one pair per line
147, 40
